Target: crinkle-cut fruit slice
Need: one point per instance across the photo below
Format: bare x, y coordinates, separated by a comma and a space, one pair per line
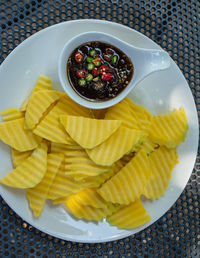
80, 167
43, 83
63, 185
89, 196
89, 132
38, 194
38, 104
30, 172
99, 113
122, 111
96, 181
18, 157
141, 114
169, 129
149, 146
131, 216
88, 212
63, 199
14, 134
123, 141
162, 162
50, 127
68, 150
11, 114
129, 183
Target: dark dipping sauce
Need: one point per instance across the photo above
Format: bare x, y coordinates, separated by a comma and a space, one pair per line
98, 71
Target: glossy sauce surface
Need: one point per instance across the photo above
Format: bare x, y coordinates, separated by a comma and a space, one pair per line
98, 71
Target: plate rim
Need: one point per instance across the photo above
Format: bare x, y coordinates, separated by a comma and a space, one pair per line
37, 34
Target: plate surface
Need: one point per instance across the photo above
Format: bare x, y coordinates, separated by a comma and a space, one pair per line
160, 92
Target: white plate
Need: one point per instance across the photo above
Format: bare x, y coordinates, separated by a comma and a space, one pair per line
160, 92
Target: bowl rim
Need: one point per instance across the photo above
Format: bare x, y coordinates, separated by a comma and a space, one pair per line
66, 52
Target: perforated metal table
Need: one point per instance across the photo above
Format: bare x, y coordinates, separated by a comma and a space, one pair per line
175, 26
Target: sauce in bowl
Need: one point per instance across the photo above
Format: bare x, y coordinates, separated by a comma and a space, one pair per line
98, 71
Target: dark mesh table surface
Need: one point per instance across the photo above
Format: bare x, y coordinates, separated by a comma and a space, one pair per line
174, 25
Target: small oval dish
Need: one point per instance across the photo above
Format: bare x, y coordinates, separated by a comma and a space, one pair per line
145, 62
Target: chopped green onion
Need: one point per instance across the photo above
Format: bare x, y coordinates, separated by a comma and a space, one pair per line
89, 59
82, 82
93, 52
96, 79
114, 60
90, 66
89, 77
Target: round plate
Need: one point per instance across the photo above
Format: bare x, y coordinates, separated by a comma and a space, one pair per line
160, 92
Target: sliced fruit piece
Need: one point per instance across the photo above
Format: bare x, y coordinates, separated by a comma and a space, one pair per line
131, 216
89, 132
89, 196
43, 83
68, 150
11, 114
122, 111
123, 141
82, 166
162, 162
38, 104
29, 173
63, 185
169, 129
18, 157
88, 212
38, 194
14, 134
129, 183
50, 128
141, 114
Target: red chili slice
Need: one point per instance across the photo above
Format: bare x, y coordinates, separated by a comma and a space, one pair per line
107, 57
95, 72
79, 57
103, 69
109, 51
106, 76
81, 73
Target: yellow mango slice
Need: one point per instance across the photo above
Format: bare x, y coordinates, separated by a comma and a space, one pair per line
11, 114
38, 194
141, 114
82, 166
63, 199
30, 172
14, 134
89, 196
96, 181
63, 185
122, 111
89, 132
18, 157
38, 104
123, 141
68, 150
169, 129
50, 127
88, 212
129, 183
162, 162
148, 145
128, 217
43, 83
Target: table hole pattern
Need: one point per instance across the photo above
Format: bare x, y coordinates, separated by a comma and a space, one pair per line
174, 25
